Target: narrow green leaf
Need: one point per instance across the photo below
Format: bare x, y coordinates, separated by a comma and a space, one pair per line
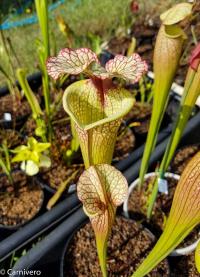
184, 216
197, 257
43, 53
62, 187
167, 54
6, 74
190, 95
30, 96
132, 47
3, 166
42, 13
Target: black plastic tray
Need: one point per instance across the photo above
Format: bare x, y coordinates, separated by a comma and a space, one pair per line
42, 257
10, 241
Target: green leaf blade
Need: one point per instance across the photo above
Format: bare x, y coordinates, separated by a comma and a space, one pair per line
166, 60
184, 216
197, 257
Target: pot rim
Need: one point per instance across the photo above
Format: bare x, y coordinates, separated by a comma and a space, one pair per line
66, 246
135, 183
178, 251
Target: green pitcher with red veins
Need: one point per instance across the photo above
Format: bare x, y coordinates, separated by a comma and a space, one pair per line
96, 105
167, 54
184, 216
101, 189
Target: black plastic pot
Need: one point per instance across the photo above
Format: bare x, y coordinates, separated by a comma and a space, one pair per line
52, 191
105, 56
121, 165
130, 173
67, 244
46, 254
6, 229
50, 219
190, 135
38, 226
42, 256
34, 81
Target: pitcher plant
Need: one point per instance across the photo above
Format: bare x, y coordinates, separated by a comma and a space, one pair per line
96, 105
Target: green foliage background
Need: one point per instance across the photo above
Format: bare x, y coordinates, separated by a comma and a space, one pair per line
101, 18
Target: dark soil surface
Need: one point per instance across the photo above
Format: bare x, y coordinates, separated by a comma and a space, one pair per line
62, 135
62, 142
12, 137
20, 204
60, 171
137, 205
15, 106
141, 114
137, 209
125, 143
182, 158
29, 127
128, 246
61, 131
183, 266
119, 45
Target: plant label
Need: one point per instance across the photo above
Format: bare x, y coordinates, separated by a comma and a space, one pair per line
163, 186
7, 117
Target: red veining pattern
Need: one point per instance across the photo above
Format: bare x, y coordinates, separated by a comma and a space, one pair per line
129, 68
80, 60
101, 189
186, 203
70, 62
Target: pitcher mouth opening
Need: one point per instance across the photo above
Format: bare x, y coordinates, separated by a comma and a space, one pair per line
78, 103
102, 86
